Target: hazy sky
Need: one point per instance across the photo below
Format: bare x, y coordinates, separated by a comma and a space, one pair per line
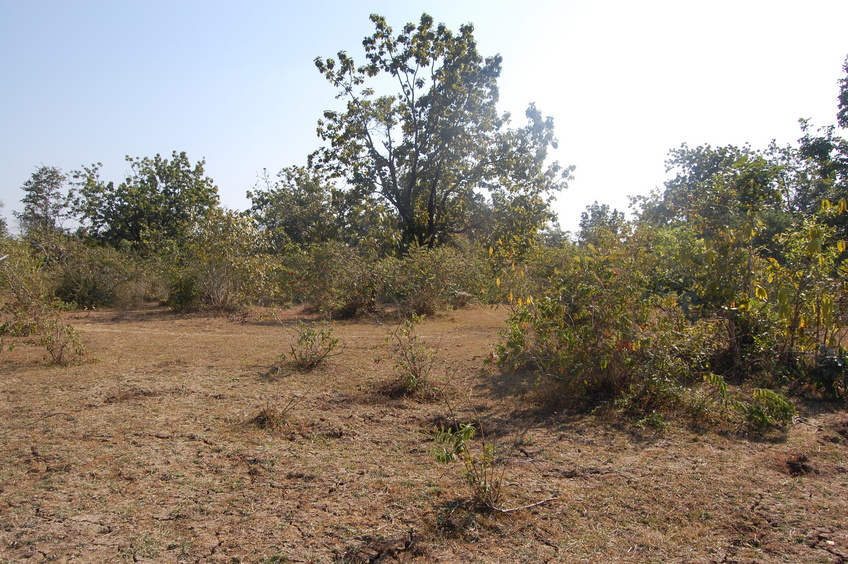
234, 81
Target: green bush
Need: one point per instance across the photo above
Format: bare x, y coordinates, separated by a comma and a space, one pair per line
760, 411
481, 474
830, 374
600, 335
103, 277
507, 281
586, 332
766, 409
343, 282
28, 308
183, 293
313, 345
427, 280
220, 264
335, 279
414, 357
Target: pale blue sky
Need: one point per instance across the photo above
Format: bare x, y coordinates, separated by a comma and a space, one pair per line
234, 82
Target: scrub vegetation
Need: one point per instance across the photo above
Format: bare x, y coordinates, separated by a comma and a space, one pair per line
396, 354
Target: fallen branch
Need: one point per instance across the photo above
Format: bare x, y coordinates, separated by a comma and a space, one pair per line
514, 509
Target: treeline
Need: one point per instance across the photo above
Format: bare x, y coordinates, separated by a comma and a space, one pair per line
426, 198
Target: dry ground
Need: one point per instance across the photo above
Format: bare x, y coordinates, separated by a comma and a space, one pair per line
148, 453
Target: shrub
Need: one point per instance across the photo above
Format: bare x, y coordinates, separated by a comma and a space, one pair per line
801, 308
830, 374
601, 335
183, 293
273, 416
344, 282
220, 265
427, 280
62, 341
103, 276
588, 332
766, 409
27, 309
762, 410
508, 281
337, 280
414, 357
313, 345
479, 470
780, 307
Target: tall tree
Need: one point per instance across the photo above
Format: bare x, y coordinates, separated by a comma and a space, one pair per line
155, 204
294, 209
45, 203
821, 163
4, 230
716, 187
302, 207
599, 222
427, 149
842, 112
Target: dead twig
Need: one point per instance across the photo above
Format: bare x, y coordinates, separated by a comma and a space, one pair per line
514, 509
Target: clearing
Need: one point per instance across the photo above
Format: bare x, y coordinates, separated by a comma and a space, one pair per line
155, 452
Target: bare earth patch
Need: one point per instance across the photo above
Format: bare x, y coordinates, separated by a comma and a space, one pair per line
183, 443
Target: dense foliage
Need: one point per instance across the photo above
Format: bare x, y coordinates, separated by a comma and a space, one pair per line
4, 229
428, 150
152, 207
726, 289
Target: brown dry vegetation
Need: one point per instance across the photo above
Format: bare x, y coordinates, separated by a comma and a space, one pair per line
181, 443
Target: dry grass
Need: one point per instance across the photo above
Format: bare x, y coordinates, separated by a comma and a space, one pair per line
160, 451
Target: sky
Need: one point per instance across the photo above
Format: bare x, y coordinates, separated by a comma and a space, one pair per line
234, 82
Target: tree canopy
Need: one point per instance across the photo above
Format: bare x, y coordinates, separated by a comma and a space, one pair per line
842, 112
302, 207
427, 149
156, 203
598, 222
4, 231
45, 202
736, 268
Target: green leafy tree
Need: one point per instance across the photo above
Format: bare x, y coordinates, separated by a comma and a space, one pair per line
4, 230
302, 207
220, 263
821, 164
512, 222
155, 204
428, 148
717, 187
598, 221
46, 207
842, 112
45, 202
295, 209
